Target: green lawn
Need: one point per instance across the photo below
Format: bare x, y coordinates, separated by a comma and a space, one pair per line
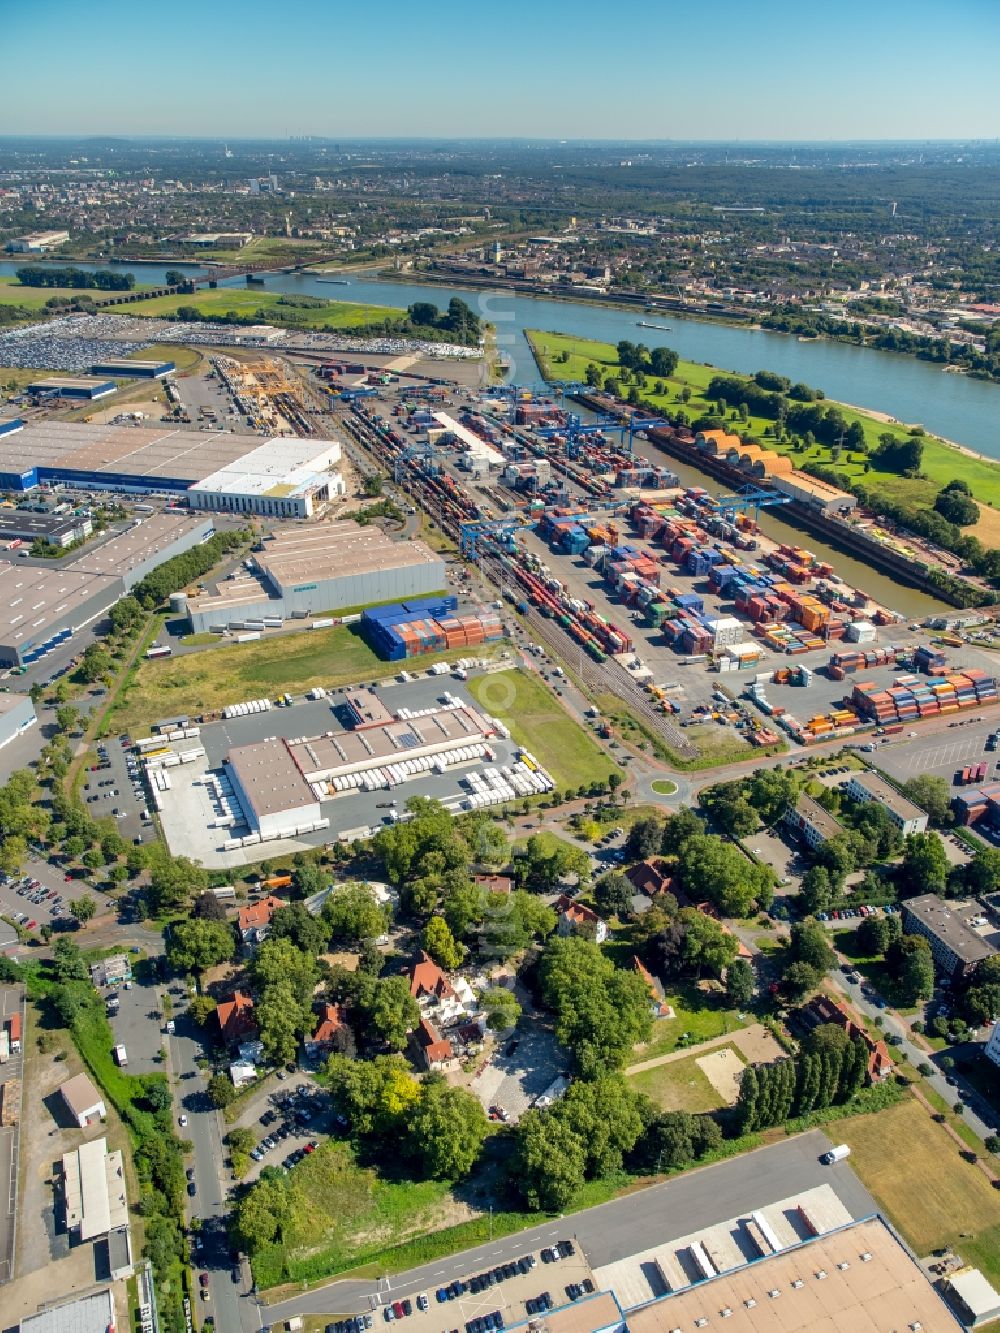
256, 300
539, 723
35, 298
872, 969
915, 1172
680, 1085
941, 462
664, 787
698, 1017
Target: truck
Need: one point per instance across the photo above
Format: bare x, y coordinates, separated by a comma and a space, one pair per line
121, 1056
159, 650
14, 1030
836, 1154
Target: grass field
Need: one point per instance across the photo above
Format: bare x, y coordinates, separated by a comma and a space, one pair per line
251, 300
664, 787
35, 298
539, 723
929, 1192
202, 681
941, 462
697, 1017
680, 1085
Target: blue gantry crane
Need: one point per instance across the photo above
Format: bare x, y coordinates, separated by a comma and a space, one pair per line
627, 430
749, 498
425, 454
495, 532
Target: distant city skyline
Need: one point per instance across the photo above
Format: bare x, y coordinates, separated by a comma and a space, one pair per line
777, 70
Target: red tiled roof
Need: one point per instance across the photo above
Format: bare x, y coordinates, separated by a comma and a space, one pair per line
260, 913
578, 913
651, 878
426, 978
495, 883
435, 1047
236, 1018
828, 1010
332, 1018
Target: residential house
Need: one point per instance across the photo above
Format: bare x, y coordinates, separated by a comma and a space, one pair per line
653, 878
495, 883
332, 1033
657, 1001
449, 1001
576, 919
236, 1019
825, 1009
906, 816
254, 920
432, 1050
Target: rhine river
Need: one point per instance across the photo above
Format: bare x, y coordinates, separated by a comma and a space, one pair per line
954, 406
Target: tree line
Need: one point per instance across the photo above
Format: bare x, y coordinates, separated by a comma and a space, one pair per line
104, 280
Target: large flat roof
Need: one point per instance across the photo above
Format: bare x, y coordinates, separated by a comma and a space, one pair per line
328, 756
819, 817
947, 926
88, 1314
858, 1279
32, 597
278, 468
332, 549
142, 541
270, 778
884, 792
94, 1181
137, 451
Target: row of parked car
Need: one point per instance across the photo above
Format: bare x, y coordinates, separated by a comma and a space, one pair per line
863, 909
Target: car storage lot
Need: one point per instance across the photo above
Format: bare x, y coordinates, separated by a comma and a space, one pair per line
117, 786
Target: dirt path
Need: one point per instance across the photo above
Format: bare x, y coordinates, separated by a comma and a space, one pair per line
755, 1042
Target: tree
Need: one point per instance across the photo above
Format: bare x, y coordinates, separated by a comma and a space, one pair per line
678, 828
932, 794
447, 1127
279, 962
501, 1008
817, 889
718, 871
221, 1091
308, 880
924, 868
982, 873
601, 1011
281, 1020
957, 506
310, 934
376, 1096
707, 947
605, 1114
873, 936
739, 983
95, 663
545, 863
423, 312
613, 894
644, 838
67, 718
809, 943
549, 1161
909, 959
372, 486
82, 909
800, 979
730, 809
197, 944
262, 1212
439, 942
201, 1009
748, 1103
173, 880
663, 361
207, 907
391, 1012
68, 961
352, 913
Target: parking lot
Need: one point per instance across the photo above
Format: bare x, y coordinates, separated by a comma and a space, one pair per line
294, 1118
137, 1022
520, 1071
47, 904
113, 788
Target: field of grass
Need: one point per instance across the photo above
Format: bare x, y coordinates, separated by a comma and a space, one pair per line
680, 1085
929, 1192
35, 298
697, 1017
538, 722
253, 300
664, 787
941, 462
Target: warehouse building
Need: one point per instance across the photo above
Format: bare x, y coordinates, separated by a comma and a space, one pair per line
148, 542
906, 816
307, 571
17, 714
140, 370
955, 947
93, 1313
62, 530
94, 1189
271, 789
40, 607
37, 242
282, 478
79, 387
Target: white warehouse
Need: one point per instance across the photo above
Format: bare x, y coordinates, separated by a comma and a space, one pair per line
281, 478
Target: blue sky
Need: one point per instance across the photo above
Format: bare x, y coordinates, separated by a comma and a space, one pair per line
722, 69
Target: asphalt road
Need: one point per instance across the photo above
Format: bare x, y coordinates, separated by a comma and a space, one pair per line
977, 1114
622, 1227
210, 1203
11, 1000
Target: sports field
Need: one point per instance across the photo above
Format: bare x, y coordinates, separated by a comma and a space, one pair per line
539, 723
941, 462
